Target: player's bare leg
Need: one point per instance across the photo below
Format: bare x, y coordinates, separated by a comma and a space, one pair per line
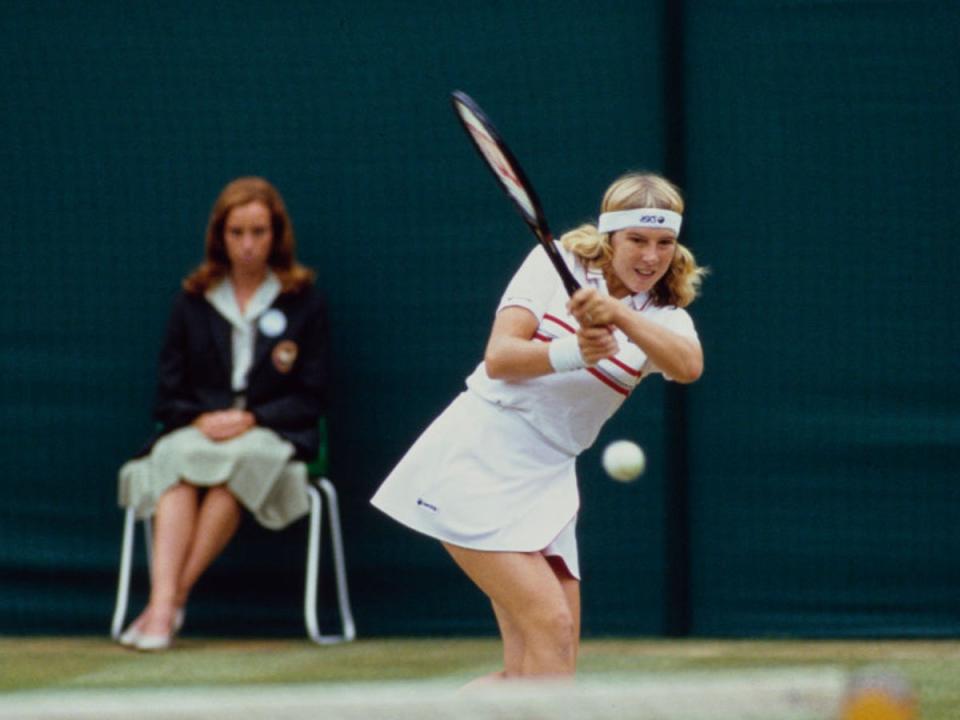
513, 640
526, 587
513, 645
512, 652
571, 589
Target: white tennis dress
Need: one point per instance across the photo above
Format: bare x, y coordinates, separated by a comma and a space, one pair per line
496, 470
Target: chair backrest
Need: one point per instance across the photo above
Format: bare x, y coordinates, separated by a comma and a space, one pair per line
318, 466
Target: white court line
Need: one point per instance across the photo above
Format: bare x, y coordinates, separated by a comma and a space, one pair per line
801, 694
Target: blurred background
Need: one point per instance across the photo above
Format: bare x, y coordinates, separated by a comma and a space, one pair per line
806, 486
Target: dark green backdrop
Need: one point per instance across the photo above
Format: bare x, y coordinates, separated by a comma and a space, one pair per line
816, 142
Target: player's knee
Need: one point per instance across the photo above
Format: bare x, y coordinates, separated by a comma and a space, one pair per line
555, 626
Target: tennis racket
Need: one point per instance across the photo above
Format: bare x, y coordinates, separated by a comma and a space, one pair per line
511, 178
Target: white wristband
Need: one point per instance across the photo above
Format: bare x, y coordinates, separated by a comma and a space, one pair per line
565, 354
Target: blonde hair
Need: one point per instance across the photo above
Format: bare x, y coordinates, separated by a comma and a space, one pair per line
681, 283
292, 275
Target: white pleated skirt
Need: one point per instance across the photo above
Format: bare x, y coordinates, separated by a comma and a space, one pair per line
255, 466
481, 477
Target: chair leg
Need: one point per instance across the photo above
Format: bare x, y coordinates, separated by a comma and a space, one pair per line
340, 564
348, 631
123, 584
313, 564
126, 567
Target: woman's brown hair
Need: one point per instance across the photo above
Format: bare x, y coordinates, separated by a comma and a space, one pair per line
282, 260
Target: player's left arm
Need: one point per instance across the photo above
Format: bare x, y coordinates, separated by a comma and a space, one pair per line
678, 356
513, 354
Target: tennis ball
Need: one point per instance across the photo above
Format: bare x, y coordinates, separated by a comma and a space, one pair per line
624, 460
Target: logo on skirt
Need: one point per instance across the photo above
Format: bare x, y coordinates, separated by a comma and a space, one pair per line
423, 503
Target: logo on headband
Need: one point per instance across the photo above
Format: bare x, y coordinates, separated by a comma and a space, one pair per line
639, 217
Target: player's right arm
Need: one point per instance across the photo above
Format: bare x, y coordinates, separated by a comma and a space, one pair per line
513, 354
678, 356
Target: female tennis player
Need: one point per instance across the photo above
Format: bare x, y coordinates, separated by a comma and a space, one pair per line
493, 477
241, 388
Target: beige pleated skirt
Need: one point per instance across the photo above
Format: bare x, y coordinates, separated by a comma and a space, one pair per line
256, 467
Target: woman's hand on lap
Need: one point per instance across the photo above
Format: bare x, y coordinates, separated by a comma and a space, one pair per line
222, 425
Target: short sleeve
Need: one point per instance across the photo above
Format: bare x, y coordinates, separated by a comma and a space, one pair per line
679, 321
533, 285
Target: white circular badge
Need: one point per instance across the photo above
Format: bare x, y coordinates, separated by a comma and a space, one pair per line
272, 322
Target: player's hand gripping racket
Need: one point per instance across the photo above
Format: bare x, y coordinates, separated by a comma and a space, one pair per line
511, 178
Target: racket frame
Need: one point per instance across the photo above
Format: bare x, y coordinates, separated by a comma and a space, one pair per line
534, 220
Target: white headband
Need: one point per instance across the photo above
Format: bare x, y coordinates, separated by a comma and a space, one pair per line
640, 217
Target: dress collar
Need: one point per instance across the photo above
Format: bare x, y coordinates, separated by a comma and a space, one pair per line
638, 301
223, 298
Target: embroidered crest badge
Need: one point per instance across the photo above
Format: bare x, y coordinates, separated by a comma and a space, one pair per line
284, 355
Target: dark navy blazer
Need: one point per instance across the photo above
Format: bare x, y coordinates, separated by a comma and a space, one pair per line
197, 359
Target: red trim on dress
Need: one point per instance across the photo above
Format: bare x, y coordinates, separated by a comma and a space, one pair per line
558, 321
626, 368
607, 381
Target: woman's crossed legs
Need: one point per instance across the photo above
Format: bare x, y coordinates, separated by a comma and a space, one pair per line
191, 528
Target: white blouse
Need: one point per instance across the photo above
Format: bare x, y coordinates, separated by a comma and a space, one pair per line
243, 324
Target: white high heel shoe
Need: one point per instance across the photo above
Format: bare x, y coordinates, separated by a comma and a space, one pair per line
129, 636
154, 643
133, 638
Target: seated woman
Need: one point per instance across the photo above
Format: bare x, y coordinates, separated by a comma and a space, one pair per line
242, 376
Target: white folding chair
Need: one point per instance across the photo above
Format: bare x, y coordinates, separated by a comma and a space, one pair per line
318, 490
347, 628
